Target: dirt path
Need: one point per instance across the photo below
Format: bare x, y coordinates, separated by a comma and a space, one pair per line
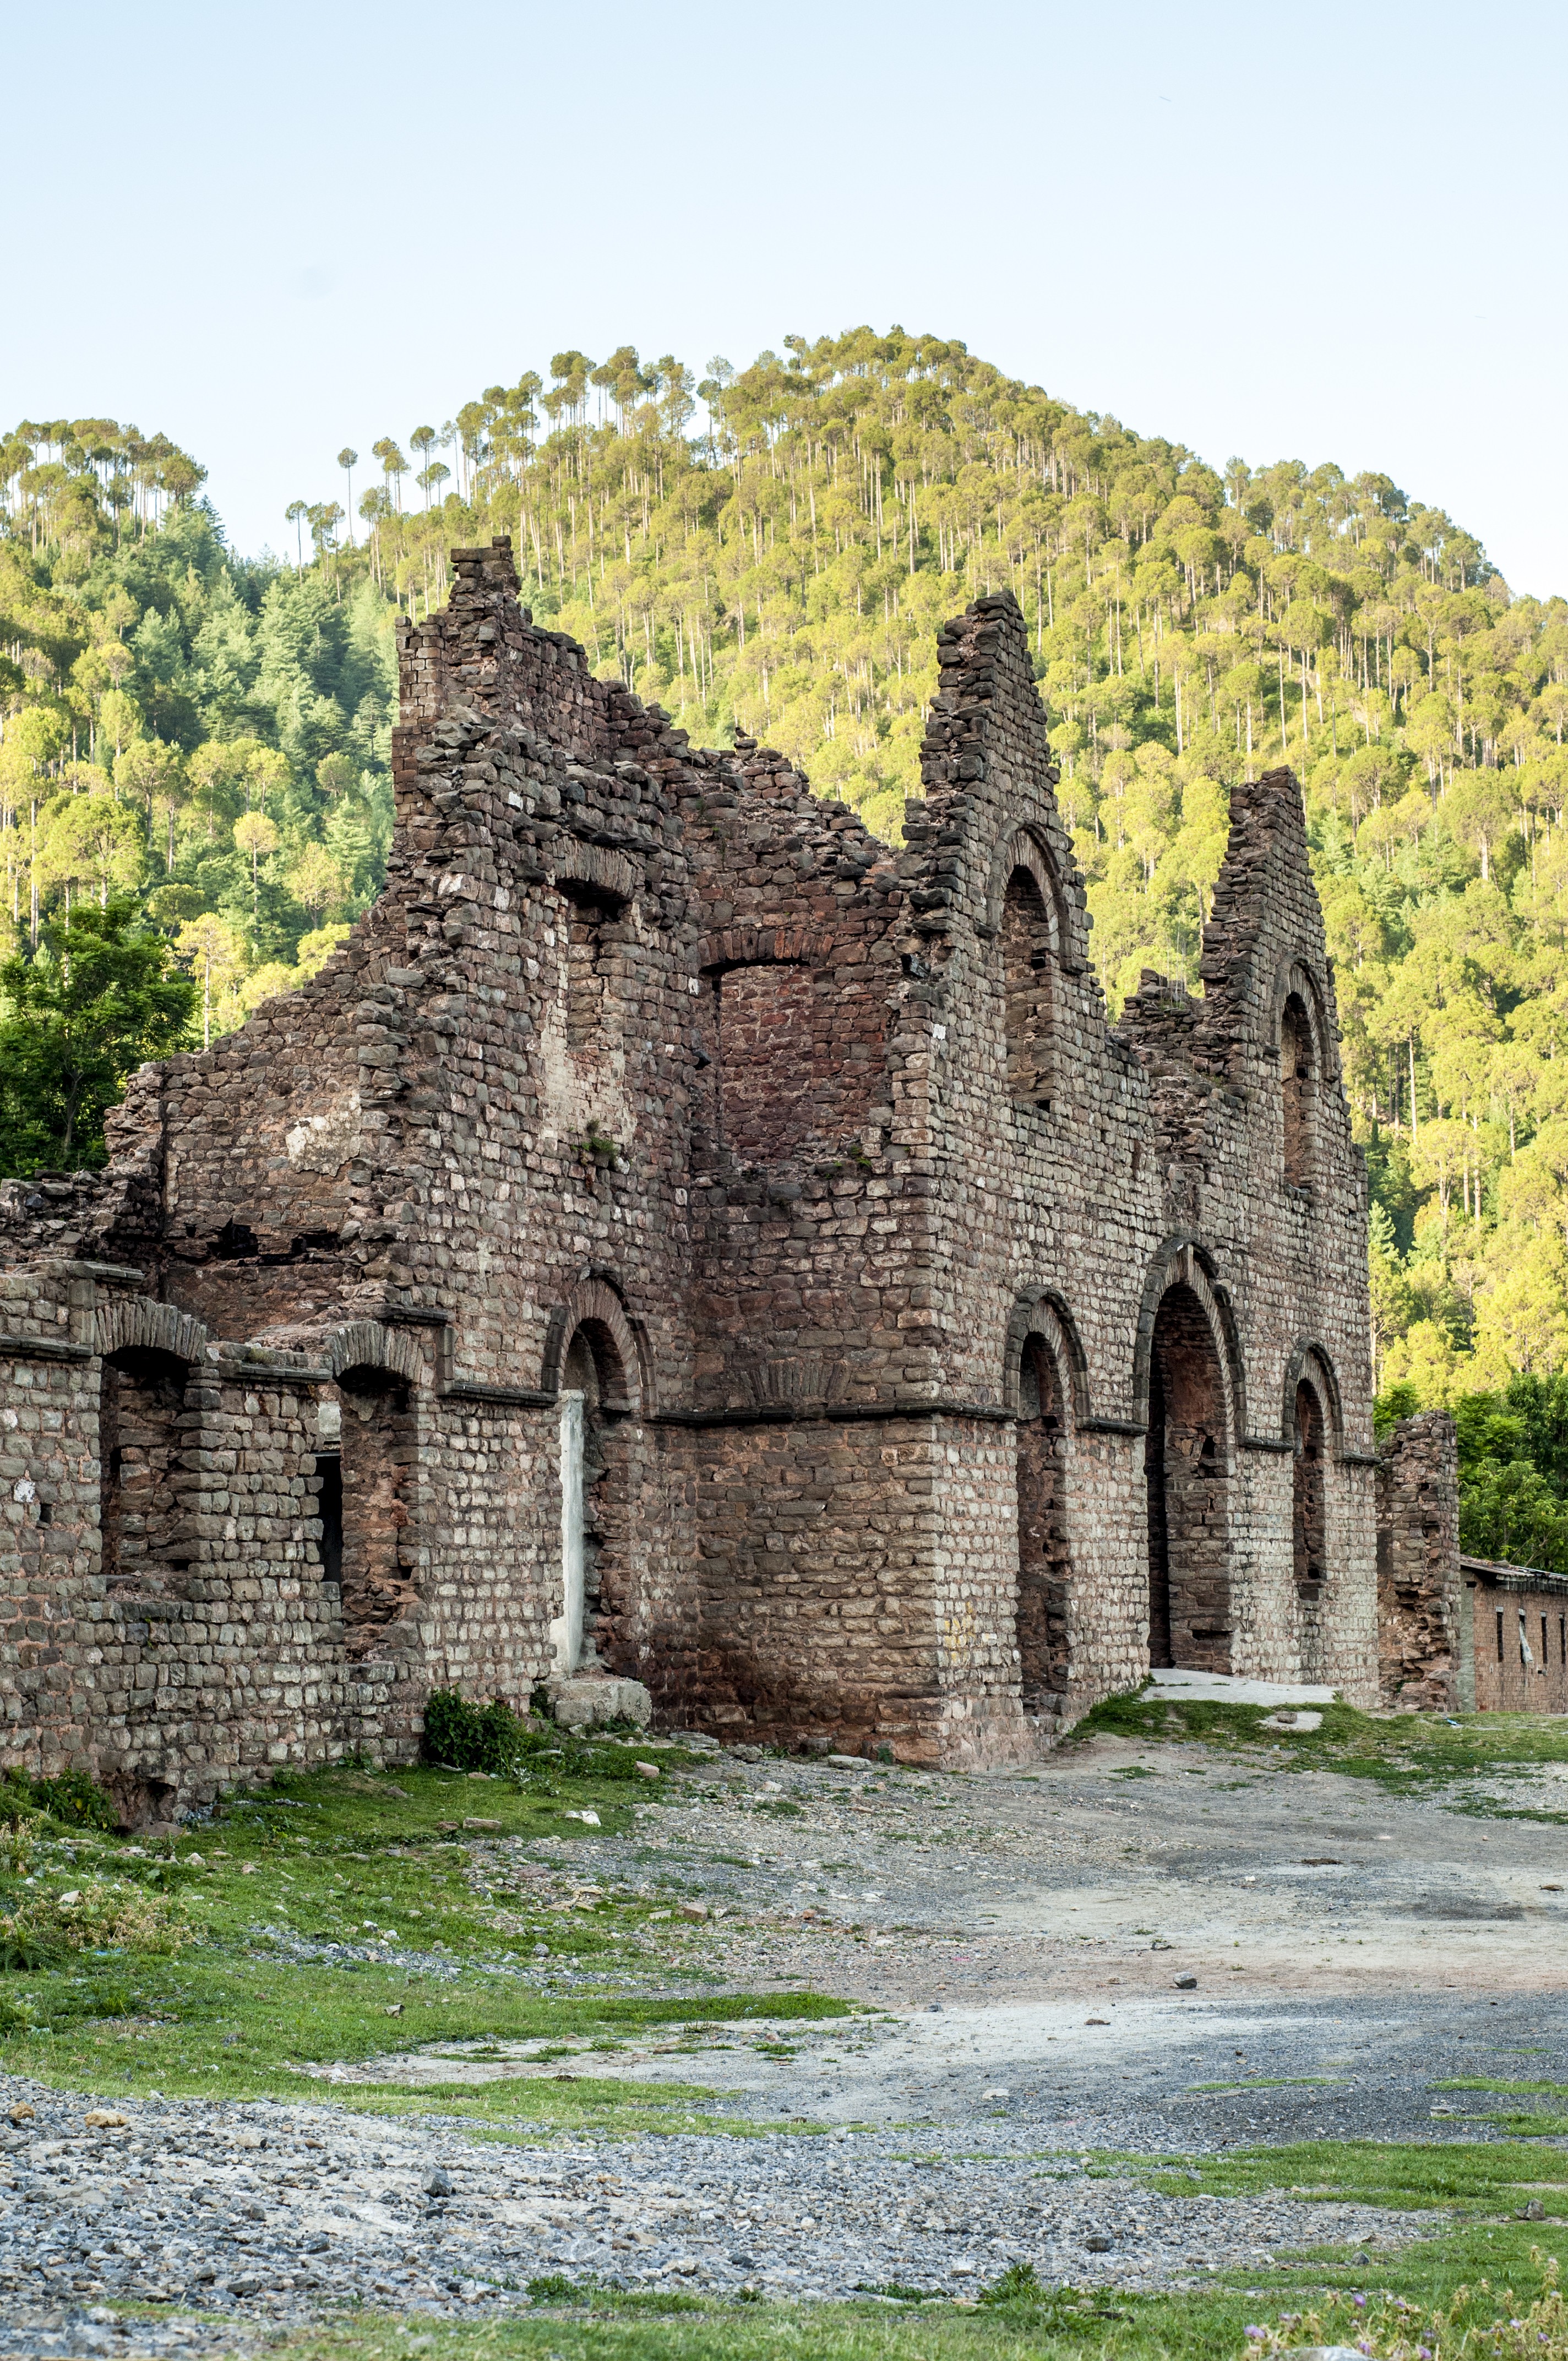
1127, 1922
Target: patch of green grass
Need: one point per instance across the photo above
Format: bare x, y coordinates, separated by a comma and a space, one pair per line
1275, 2082
233, 2028
599, 2107
1502, 2269
339, 1856
1415, 2176
1406, 1753
1510, 2090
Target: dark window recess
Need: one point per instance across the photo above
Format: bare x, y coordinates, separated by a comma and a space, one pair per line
1026, 983
235, 1242
142, 1440
329, 1509
590, 950
1499, 1635
1296, 1079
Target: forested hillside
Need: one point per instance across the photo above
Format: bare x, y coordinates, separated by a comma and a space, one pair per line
775, 548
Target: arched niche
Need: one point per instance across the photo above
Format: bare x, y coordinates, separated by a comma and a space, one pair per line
1026, 916
1189, 1390
1308, 1503
1046, 1389
595, 1302
1302, 1040
1298, 1095
1311, 1360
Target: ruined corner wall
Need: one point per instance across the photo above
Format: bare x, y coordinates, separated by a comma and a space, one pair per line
1132, 1161
1421, 1598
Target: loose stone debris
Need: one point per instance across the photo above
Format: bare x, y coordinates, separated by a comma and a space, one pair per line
277, 2213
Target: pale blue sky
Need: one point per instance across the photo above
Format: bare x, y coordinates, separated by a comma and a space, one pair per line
1334, 233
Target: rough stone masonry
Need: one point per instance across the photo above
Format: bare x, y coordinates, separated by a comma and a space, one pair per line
681, 1240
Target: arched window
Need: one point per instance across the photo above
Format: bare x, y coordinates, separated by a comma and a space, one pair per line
593, 1391
141, 1467
1297, 1079
1027, 981
377, 1564
1044, 1560
1307, 1513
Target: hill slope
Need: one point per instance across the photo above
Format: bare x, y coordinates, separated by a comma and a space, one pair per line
775, 549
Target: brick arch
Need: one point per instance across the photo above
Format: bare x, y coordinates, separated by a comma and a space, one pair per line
1311, 1361
1026, 848
596, 1300
135, 1322
791, 946
1042, 1311
1294, 977
366, 1345
1184, 1261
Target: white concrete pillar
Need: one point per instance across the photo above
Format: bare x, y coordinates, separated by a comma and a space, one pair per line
567, 1631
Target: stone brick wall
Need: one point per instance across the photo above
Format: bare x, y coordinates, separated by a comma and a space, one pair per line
811, 1166
1419, 1595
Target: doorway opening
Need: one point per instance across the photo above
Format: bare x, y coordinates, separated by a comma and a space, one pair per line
1185, 1472
1045, 1565
592, 1403
1308, 1518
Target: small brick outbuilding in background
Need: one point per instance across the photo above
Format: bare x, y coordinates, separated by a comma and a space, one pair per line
680, 1239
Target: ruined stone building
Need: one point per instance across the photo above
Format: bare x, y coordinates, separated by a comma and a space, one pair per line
681, 1238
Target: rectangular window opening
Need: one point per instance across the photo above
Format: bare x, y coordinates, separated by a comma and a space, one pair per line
1499, 1635
329, 1509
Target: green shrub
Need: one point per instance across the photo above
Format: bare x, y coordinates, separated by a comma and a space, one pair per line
73, 1798
473, 1736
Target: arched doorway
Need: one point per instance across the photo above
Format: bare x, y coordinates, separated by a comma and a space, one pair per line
1185, 1460
141, 1460
1044, 1558
1307, 1507
592, 1402
376, 1562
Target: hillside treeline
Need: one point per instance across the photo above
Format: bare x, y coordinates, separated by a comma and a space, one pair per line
773, 548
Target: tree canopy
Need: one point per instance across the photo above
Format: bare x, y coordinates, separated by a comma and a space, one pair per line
96, 1000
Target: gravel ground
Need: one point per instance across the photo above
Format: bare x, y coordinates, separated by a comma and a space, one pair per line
1341, 1952
275, 2211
